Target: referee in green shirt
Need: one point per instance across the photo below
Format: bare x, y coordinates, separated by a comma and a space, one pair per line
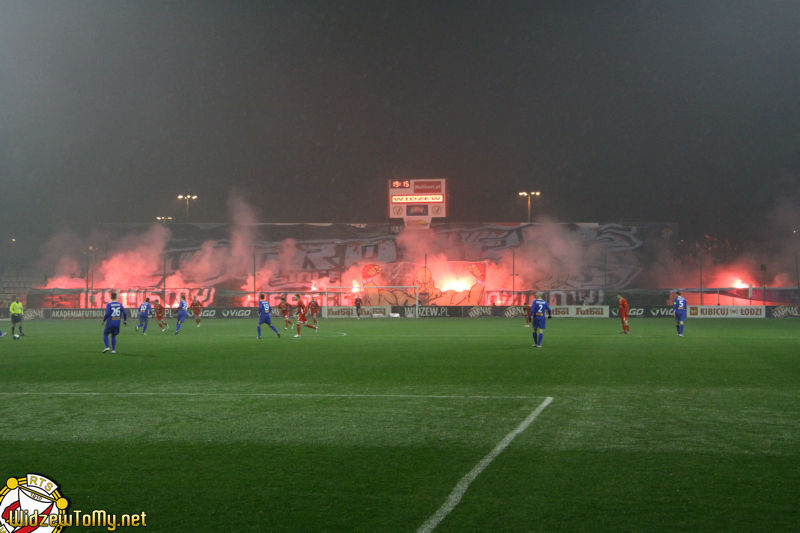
16, 315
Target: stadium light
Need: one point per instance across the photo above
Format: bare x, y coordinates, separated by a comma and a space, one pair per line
530, 195
188, 198
164, 219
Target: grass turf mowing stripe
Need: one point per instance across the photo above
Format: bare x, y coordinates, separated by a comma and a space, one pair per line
461, 487
272, 395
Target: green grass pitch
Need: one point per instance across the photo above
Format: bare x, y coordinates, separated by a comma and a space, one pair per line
370, 425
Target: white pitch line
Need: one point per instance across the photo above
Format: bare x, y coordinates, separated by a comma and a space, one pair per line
269, 395
461, 487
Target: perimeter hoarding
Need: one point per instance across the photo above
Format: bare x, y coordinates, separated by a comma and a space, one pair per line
456, 311
727, 311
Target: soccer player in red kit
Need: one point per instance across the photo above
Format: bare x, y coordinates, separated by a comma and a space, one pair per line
196, 308
623, 314
160, 315
313, 308
301, 316
284, 308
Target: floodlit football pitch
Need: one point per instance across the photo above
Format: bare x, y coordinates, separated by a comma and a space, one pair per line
413, 425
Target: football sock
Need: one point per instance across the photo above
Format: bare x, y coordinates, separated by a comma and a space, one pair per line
259, 331
273, 329
540, 338
298, 328
105, 340
113, 342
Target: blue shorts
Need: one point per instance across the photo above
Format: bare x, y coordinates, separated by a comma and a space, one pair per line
265, 320
680, 316
111, 329
538, 322
182, 316
142, 317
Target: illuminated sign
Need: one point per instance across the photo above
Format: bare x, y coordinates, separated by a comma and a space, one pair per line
427, 186
413, 199
418, 199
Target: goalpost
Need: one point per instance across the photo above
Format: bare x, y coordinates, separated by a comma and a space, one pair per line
376, 301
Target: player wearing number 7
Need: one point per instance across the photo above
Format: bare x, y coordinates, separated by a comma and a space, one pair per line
114, 313
538, 309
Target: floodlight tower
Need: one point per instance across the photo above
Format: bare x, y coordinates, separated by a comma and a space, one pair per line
530, 195
188, 198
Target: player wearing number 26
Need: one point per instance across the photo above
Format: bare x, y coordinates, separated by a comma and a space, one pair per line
114, 314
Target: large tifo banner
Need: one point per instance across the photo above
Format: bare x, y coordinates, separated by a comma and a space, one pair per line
448, 265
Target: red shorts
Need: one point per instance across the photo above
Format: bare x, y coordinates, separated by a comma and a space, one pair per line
623, 317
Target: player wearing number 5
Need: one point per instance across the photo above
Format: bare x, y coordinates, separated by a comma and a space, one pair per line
679, 308
114, 313
264, 317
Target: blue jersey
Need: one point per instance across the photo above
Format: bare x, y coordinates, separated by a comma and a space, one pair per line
183, 306
146, 309
539, 308
114, 313
679, 305
264, 308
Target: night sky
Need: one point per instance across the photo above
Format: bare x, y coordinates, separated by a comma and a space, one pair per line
615, 110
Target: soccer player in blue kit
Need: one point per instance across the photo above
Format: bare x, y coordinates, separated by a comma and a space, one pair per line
145, 312
679, 307
114, 313
264, 316
537, 313
183, 312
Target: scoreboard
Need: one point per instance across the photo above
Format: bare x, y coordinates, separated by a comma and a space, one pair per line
417, 200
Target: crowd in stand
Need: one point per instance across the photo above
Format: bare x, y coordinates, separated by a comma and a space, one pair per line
709, 249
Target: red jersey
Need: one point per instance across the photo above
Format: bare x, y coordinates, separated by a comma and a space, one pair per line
283, 307
623, 307
195, 307
313, 307
301, 311
159, 310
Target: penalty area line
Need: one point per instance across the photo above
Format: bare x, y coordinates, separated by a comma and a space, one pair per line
461, 487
